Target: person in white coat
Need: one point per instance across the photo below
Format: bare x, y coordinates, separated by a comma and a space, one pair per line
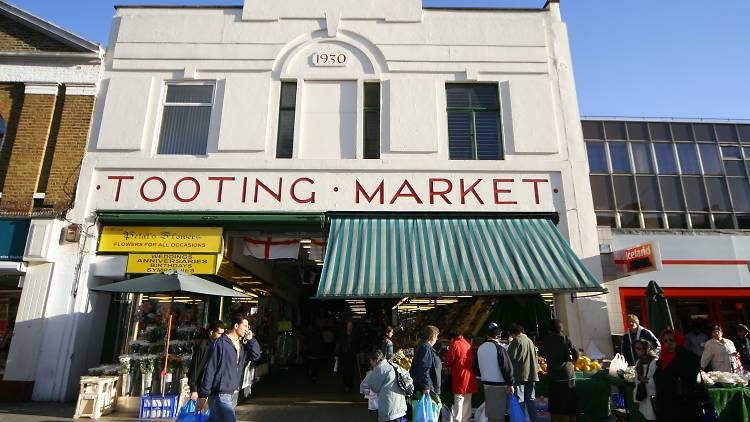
645, 366
719, 353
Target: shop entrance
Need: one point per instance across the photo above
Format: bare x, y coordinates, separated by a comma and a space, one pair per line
10, 295
327, 288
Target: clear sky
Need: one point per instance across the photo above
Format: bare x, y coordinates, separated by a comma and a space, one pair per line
642, 58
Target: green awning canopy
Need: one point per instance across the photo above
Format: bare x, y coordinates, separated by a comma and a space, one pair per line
428, 257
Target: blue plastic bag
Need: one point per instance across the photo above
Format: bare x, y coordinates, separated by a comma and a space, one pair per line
424, 411
187, 413
514, 408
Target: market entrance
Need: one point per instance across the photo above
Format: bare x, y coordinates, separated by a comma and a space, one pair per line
321, 291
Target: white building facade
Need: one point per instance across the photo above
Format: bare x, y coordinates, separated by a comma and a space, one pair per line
336, 106
48, 83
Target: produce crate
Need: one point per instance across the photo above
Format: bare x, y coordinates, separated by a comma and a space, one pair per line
618, 401
158, 407
97, 397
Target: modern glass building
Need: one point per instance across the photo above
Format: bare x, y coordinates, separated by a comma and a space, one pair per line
683, 187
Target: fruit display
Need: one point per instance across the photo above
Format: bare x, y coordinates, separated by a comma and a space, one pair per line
542, 369
587, 365
402, 360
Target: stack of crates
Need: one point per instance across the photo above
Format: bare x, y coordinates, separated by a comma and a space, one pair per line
158, 407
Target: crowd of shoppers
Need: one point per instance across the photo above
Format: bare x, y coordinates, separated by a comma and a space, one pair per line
666, 369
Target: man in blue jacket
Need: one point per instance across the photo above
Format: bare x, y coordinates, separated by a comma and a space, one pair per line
225, 366
426, 367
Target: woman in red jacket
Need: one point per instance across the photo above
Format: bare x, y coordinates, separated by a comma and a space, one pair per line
460, 359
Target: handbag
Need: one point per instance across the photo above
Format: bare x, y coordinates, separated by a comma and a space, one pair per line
640, 389
406, 387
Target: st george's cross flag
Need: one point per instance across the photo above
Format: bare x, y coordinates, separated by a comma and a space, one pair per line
276, 247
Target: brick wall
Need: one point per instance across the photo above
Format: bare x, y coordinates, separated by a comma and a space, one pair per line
17, 37
11, 98
46, 143
70, 144
27, 152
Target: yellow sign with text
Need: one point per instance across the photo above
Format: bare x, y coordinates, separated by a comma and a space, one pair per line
160, 239
154, 263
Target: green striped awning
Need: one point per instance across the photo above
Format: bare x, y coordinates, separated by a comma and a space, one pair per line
428, 257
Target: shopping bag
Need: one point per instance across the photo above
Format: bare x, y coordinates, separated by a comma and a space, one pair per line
187, 413
423, 411
514, 409
618, 364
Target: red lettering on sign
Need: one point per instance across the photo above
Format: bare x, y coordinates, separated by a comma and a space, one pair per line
380, 190
221, 181
176, 188
499, 191
411, 194
292, 191
119, 184
275, 195
536, 183
465, 192
441, 193
244, 189
158, 197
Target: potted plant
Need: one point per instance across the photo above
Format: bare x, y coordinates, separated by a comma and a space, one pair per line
185, 360
125, 366
146, 364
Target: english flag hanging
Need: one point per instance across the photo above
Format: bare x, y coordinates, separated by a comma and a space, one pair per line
271, 247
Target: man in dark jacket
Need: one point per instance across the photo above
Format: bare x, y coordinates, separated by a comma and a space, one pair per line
496, 373
200, 352
742, 343
560, 354
426, 367
634, 333
225, 366
346, 352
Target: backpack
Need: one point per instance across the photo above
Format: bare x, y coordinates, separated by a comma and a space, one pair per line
406, 387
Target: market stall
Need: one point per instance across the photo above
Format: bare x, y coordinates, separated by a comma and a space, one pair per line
168, 314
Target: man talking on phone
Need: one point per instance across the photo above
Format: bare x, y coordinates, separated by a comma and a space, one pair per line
225, 366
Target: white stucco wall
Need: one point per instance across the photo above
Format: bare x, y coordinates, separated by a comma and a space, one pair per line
41, 349
412, 52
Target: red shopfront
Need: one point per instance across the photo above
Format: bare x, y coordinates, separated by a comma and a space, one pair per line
727, 306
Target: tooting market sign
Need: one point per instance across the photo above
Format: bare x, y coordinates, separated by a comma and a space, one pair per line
304, 191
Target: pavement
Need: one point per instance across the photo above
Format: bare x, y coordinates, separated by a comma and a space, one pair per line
287, 397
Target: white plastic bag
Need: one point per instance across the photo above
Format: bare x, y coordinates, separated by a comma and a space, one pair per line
479, 415
618, 363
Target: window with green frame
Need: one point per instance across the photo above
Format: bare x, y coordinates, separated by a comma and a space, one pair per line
287, 110
474, 129
372, 121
